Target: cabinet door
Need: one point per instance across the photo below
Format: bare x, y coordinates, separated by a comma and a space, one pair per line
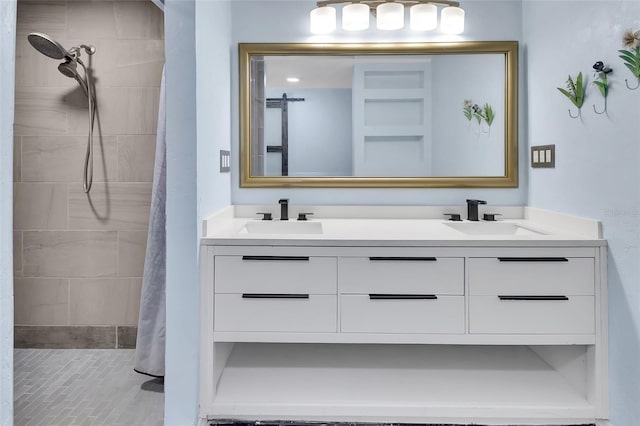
363, 275
522, 275
275, 274
530, 315
360, 313
275, 313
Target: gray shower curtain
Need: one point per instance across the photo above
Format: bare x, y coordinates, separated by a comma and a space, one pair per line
150, 344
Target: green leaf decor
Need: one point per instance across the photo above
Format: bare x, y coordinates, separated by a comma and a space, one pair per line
575, 90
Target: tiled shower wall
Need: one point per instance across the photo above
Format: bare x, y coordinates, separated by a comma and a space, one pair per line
79, 258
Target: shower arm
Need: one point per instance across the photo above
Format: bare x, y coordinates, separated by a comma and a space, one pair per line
75, 51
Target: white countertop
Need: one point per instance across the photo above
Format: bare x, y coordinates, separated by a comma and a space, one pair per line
383, 227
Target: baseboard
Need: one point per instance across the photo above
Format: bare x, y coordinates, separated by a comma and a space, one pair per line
74, 337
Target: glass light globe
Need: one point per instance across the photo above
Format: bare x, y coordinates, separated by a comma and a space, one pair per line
355, 17
390, 16
322, 20
452, 20
423, 17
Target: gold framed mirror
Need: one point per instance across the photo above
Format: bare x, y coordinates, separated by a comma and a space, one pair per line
385, 115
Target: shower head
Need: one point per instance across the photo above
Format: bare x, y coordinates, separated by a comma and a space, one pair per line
48, 46
69, 69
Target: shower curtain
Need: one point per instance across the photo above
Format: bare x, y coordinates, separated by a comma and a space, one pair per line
150, 344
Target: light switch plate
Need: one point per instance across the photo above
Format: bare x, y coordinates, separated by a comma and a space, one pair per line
543, 156
225, 161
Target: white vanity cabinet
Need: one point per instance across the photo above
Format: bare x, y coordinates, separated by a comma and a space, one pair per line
449, 333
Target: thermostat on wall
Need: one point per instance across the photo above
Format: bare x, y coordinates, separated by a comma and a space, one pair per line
543, 156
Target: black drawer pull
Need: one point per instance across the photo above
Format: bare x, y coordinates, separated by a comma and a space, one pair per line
378, 296
274, 296
533, 297
533, 259
302, 258
403, 259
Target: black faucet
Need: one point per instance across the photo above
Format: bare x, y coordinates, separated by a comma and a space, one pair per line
284, 208
472, 209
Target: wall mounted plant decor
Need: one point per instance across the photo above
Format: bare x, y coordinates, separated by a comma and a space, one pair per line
575, 93
481, 114
602, 83
631, 55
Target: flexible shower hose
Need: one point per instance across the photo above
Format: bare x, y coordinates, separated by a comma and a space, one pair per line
87, 178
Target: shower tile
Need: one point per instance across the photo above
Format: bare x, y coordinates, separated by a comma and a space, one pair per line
17, 253
136, 156
40, 111
70, 253
128, 63
61, 158
104, 301
41, 301
127, 336
110, 206
91, 20
132, 247
17, 158
64, 337
39, 206
43, 16
122, 111
142, 20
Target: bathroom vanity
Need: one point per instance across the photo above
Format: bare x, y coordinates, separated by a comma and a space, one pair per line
396, 316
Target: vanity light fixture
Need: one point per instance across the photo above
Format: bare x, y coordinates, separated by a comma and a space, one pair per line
293, 79
389, 14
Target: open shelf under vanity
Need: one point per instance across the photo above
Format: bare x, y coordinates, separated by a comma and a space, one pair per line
408, 383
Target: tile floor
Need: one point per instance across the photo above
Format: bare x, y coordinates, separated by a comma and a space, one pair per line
65, 387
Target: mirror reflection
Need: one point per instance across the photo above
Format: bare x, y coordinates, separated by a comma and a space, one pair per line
340, 115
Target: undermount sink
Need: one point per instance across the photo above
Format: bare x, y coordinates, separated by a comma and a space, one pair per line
282, 227
491, 228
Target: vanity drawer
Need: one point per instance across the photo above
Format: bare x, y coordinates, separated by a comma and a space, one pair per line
402, 275
531, 275
493, 315
275, 274
276, 313
361, 313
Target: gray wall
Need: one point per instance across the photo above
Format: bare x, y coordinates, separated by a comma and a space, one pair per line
78, 258
596, 174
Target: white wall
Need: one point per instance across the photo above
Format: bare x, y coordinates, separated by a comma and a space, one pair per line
182, 293
7, 82
319, 132
213, 47
462, 147
198, 116
597, 173
287, 21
